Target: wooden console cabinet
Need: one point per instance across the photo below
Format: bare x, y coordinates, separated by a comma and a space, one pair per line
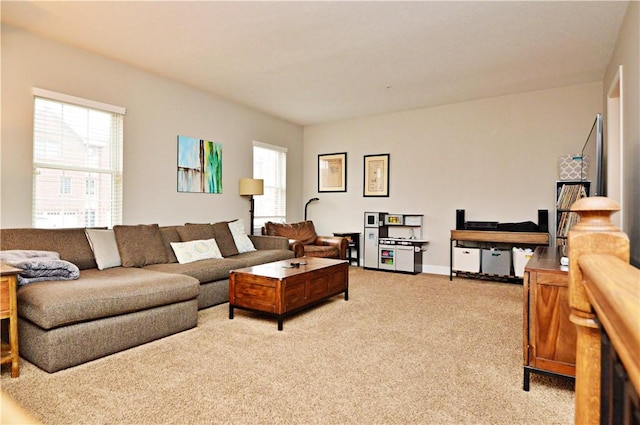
549, 337
487, 238
9, 311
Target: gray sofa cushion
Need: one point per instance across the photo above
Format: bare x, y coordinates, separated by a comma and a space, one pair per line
102, 293
140, 245
72, 244
195, 232
170, 234
269, 242
224, 238
218, 231
262, 256
203, 270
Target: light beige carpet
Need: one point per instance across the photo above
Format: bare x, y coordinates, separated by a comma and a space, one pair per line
403, 350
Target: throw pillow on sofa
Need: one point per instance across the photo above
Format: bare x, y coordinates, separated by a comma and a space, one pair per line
224, 238
104, 247
218, 231
187, 252
140, 245
170, 234
242, 241
195, 232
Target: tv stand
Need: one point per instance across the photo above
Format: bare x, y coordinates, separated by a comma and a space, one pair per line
489, 238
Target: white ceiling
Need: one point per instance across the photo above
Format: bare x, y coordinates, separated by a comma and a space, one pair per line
314, 62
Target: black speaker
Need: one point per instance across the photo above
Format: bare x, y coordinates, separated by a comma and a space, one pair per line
459, 219
543, 220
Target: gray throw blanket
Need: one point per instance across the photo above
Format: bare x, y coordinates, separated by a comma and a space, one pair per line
39, 265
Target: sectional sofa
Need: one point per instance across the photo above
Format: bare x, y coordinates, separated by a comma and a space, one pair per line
136, 284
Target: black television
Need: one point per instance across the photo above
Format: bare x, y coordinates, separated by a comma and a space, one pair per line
594, 149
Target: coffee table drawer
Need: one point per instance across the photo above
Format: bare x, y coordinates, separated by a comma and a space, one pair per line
318, 287
294, 295
338, 281
255, 296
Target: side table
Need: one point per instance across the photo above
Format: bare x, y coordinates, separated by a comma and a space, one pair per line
9, 310
353, 251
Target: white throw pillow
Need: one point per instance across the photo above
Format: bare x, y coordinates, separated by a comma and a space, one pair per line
188, 252
104, 247
243, 243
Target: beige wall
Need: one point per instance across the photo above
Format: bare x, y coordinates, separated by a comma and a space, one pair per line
627, 55
158, 110
496, 158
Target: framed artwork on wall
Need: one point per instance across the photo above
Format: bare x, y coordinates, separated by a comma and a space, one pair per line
199, 165
376, 175
332, 172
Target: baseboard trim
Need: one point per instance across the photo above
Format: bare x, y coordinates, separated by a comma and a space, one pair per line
435, 270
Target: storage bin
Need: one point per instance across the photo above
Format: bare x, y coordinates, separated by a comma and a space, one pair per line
520, 259
466, 259
496, 261
573, 167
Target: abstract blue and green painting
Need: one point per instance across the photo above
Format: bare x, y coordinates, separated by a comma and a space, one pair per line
199, 165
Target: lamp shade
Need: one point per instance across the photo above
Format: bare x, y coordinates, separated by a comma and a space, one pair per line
251, 186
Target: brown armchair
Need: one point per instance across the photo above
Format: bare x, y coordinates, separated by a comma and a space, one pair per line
304, 241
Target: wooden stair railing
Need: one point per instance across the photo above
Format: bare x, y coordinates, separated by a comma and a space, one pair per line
604, 296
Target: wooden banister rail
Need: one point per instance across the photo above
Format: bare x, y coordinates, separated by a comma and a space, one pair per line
604, 290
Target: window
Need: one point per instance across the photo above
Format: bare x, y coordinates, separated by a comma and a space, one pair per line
77, 152
65, 185
270, 164
90, 218
90, 187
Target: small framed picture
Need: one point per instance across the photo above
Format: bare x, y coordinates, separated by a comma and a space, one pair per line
376, 175
332, 172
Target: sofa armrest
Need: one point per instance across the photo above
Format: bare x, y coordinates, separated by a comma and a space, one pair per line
269, 242
339, 242
297, 247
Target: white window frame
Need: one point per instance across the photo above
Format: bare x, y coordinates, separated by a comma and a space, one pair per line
264, 208
113, 172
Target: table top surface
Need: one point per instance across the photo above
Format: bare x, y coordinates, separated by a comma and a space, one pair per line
497, 236
546, 259
286, 268
8, 270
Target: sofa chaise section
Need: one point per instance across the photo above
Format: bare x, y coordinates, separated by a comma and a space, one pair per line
66, 323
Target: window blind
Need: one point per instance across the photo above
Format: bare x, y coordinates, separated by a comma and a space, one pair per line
77, 162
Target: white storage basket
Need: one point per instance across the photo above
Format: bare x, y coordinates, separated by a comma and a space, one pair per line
466, 259
573, 167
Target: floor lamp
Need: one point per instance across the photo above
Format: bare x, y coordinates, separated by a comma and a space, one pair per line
306, 205
251, 187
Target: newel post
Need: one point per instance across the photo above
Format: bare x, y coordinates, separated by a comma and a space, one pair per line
594, 234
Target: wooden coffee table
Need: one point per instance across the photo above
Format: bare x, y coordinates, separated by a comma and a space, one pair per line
277, 289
